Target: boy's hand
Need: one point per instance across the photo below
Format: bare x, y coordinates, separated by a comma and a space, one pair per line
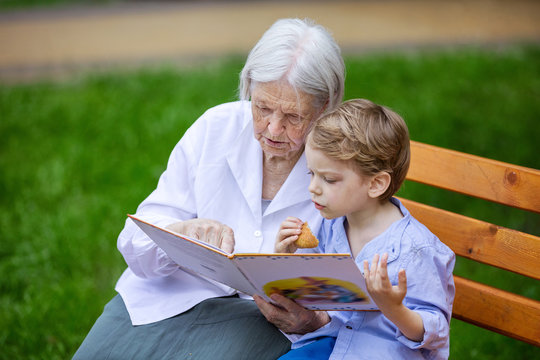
386, 296
389, 298
287, 235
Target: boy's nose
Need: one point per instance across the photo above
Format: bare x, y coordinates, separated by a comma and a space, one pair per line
312, 188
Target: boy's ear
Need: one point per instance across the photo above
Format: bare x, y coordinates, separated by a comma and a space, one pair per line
379, 183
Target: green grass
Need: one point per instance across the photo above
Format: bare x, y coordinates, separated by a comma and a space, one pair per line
77, 156
10, 5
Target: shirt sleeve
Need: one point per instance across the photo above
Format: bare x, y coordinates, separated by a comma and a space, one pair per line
331, 329
430, 292
172, 201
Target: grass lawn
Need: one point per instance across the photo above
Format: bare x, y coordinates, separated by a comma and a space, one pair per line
77, 156
10, 5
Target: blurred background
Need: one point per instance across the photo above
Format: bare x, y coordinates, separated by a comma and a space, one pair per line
95, 94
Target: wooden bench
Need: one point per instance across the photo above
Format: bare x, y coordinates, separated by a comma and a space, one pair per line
501, 311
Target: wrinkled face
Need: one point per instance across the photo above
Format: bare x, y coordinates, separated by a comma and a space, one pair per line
336, 188
281, 118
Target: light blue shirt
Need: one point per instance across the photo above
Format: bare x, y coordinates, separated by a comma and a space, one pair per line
430, 292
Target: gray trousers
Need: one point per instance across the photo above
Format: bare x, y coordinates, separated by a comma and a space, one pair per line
218, 328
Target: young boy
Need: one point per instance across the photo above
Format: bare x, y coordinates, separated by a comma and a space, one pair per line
358, 156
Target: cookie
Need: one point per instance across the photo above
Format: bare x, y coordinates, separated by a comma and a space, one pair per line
306, 239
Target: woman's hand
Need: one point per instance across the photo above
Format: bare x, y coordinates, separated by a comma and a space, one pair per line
209, 231
288, 233
290, 317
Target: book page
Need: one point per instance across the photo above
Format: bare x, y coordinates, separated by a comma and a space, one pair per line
315, 281
197, 256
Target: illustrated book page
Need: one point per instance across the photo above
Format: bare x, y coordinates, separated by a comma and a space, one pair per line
315, 281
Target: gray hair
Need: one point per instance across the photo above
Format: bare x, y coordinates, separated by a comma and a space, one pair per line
301, 52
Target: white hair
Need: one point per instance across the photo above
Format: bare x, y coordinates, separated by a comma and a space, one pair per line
302, 53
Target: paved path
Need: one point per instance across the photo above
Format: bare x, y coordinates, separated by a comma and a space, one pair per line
40, 42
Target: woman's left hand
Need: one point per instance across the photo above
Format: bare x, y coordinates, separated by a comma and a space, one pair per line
290, 317
206, 230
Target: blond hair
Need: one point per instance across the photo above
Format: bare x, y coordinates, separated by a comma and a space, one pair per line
373, 137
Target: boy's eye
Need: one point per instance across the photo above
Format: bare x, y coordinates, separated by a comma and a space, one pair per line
329, 181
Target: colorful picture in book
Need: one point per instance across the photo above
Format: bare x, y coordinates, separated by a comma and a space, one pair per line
308, 289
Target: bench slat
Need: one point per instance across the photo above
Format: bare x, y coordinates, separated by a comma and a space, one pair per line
481, 241
497, 310
472, 175
509, 314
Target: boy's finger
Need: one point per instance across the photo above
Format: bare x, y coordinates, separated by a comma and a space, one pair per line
292, 221
402, 281
291, 243
375, 264
366, 269
290, 232
383, 271
286, 245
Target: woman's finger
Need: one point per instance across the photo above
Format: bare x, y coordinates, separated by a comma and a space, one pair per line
227, 239
210, 236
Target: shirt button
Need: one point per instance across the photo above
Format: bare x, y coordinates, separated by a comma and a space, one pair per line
349, 327
257, 233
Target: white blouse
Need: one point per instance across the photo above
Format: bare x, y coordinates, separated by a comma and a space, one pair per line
214, 172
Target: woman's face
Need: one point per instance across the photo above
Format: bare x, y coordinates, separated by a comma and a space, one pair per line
281, 118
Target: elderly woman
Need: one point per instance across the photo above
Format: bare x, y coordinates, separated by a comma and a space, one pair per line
230, 181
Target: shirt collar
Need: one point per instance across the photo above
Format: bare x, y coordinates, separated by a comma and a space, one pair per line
246, 151
389, 241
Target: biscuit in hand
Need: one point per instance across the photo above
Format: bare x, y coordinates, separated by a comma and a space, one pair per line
306, 239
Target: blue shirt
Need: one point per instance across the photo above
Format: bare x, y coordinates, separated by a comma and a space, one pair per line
430, 292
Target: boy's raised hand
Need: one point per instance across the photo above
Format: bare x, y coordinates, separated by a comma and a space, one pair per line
386, 296
389, 298
288, 233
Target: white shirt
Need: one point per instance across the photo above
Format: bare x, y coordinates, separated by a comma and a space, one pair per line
214, 172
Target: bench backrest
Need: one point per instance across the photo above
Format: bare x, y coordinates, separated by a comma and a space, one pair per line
482, 305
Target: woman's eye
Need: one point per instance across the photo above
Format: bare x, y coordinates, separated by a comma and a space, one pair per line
329, 181
294, 119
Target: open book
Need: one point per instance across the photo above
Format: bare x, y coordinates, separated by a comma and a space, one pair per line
315, 281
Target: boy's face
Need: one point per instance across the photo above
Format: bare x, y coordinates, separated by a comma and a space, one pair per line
336, 188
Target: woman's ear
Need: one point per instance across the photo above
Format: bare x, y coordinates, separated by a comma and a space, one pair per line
325, 106
321, 110
379, 184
